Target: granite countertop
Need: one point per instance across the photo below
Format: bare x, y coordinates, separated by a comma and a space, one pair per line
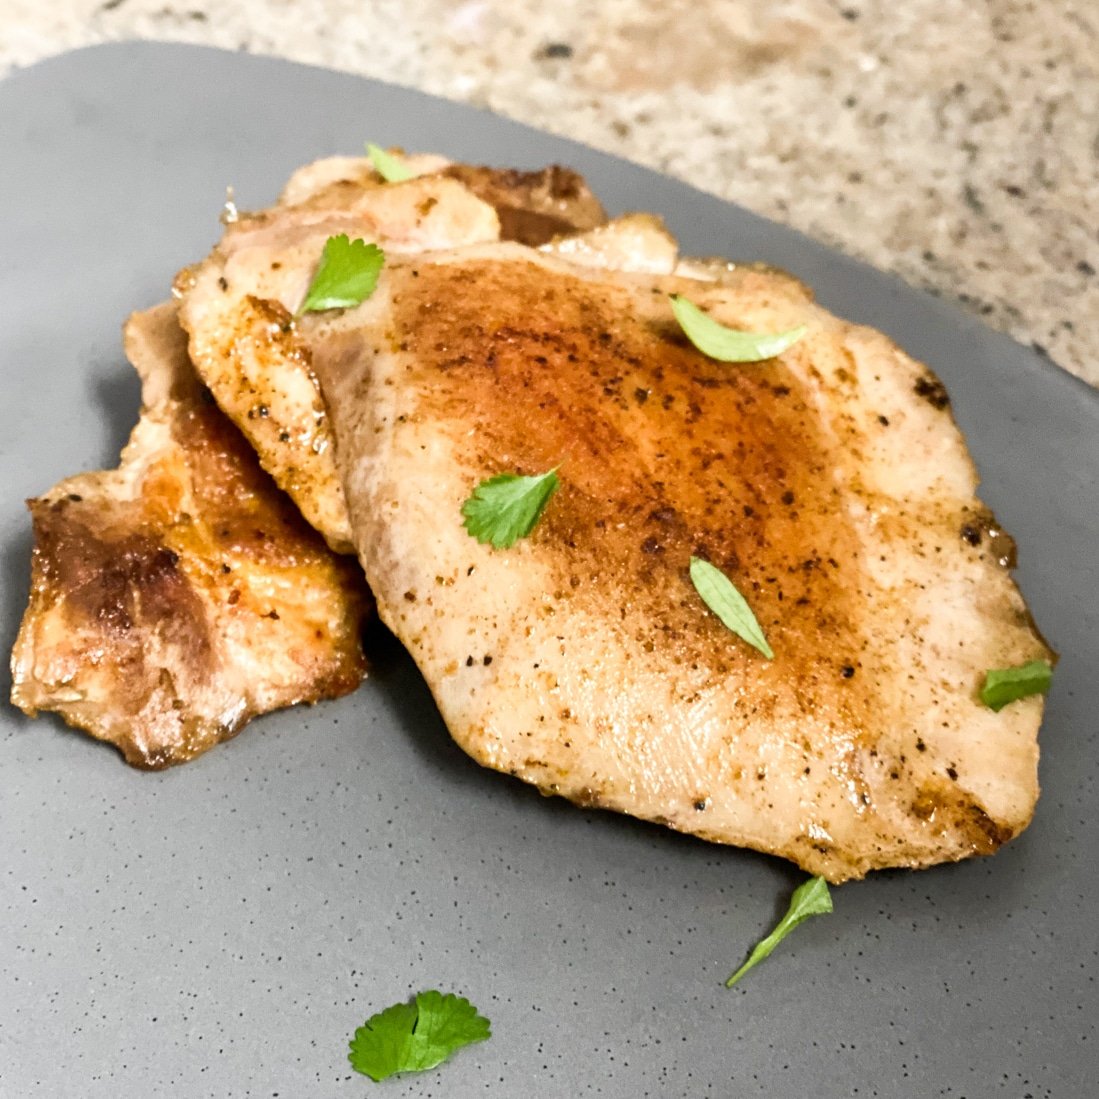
953, 143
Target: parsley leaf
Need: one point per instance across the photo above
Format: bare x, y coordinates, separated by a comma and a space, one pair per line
811, 898
505, 508
346, 275
1004, 685
417, 1036
719, 594
727, 344
391, 168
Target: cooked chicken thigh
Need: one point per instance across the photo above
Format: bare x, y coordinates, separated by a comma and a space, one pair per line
831, 485
180, 595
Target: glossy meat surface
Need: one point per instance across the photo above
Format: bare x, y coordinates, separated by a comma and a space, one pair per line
180, 595
831, 485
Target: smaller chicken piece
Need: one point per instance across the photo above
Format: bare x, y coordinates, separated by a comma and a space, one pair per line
178, 596
533, 206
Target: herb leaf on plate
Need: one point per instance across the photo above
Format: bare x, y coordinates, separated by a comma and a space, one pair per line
1004, 685
811, 898
345, 277
728, 345
416, 1036
507, 507
719, 594
391, 168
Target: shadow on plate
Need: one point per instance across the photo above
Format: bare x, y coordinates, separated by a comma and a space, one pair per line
118, 396
394, 676
15, 570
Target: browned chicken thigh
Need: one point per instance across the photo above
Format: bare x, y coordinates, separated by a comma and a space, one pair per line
830, 484
180, 595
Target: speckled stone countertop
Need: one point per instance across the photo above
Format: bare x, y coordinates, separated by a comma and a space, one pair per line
954, 143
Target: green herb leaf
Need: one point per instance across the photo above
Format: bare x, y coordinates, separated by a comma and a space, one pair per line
391, 168
417, 1036
727, 344
505, 508
1004, 685
346, 275
811, 898
719, 594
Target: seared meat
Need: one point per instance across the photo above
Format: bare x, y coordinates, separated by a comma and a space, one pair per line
178, 596
318, 175
831, 485
238, 305
533, 207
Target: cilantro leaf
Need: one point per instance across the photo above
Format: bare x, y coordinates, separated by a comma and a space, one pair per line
382, 1046
417, 1036
505, 508
720, 595
391, 168
1004, 685
727, 344
811, 898
346, 275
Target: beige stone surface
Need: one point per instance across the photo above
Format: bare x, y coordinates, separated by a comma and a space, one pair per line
954, 142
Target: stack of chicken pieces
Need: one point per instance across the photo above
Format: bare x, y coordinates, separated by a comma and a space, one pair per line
212, 576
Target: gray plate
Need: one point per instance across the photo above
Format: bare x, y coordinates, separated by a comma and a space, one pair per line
220, 929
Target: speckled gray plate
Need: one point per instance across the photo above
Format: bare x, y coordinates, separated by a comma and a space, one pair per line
220, 929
